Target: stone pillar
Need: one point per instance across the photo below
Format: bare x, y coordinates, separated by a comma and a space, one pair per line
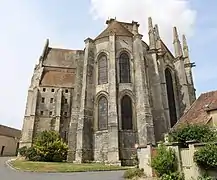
144, 157
188, 70
72, 135
143, 110
113, 150
179, 66
58, 110
84, 149
29, 119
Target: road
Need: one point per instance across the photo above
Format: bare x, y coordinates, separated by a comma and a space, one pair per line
8, 174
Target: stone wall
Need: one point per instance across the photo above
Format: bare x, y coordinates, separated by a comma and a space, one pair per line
184, 156
8, 145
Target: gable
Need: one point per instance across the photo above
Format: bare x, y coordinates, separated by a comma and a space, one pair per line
117, 28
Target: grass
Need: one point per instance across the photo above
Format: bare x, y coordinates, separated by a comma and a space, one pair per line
62, 167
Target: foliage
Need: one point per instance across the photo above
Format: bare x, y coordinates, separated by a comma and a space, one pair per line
48, 147
200, 133
135, 159
22, 150
165, 162
205, 177
172, 176
206, 157
133, 173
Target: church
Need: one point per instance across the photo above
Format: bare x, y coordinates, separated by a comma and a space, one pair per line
117, 92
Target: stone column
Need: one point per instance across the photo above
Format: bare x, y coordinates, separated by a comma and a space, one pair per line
58, 110
29, 119
113, 153
179, 66
84, 140
72, 135
143, 109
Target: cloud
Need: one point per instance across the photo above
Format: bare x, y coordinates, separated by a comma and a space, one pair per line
166, 13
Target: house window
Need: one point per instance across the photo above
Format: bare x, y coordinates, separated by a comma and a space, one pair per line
102, 70
44, 89
66, 91
124, 67
52, 90
42, 99
66, 101
102, 113
65, 113
42, 112
51, 113
51, 100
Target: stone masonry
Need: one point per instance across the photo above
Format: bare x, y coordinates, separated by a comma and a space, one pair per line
117, 92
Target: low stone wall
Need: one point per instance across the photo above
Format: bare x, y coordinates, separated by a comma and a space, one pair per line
185, 160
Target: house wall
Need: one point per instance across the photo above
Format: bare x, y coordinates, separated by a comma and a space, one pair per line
9, 146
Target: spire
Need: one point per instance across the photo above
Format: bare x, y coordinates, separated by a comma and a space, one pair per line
157, 34
151, 34
176, 43
185, 46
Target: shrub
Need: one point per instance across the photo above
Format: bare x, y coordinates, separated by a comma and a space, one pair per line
172, 176
22, 151
200, 133
165, 162
133, 173
206, 157
49, 147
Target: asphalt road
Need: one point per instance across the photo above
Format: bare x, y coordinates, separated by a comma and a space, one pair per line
8, 174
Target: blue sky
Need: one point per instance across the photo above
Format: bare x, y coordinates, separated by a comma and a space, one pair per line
25, 25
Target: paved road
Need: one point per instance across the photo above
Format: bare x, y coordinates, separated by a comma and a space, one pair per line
8, 174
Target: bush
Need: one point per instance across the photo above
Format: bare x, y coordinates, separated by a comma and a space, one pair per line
48, 147
133, 173
22, 151
200, 133
172, 176
206, 157
165, 162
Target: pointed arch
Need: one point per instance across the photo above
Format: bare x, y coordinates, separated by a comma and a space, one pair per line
102, 69
126, 113
124, 68
102, 113
171, 97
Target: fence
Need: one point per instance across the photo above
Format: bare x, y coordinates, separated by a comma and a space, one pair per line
185, 160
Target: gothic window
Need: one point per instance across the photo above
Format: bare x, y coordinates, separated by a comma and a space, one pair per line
102, 70
171, 97
126, 113
124, 66
102, 113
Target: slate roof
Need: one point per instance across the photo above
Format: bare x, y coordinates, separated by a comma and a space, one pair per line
9, 132
198, 112
117, 28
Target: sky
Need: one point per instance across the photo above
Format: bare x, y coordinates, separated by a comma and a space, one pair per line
26, 24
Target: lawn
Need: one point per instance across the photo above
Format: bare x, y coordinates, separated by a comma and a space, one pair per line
62, 167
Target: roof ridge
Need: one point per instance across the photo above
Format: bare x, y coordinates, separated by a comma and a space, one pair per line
105, 33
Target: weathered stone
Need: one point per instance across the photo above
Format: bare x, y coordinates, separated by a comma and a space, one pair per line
118, 67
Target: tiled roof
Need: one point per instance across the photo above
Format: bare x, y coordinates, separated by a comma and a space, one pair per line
56, 78
198, 112
117, 28
10, 132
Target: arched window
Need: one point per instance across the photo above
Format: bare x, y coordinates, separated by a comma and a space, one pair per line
171, 97
124, 66
126, 113
102, 113
102, 69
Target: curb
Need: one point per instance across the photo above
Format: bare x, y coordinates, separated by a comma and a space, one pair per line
8, 164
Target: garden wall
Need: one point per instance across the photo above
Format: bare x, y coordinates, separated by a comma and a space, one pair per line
184, 156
